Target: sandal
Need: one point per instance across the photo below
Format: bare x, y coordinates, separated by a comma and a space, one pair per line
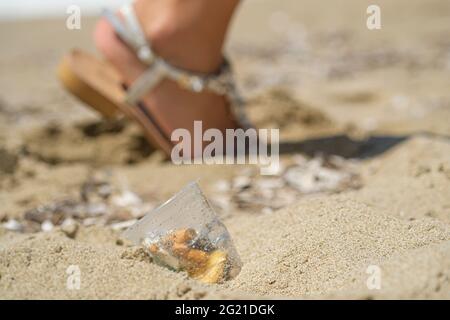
97, 84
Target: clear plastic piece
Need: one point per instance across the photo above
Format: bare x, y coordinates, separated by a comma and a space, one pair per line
184, 234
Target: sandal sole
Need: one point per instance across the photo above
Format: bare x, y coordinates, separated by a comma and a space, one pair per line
98, 85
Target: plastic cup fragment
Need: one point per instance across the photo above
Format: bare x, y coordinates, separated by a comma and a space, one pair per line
184, 234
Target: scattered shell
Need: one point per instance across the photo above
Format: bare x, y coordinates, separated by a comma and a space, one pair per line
13, 225
241, 182
319, 174
120, 215
123, 225
140, 210
104, 203
313, 176
38, 214
126, 199
47, 226
70, 227
105, 191
96, 209
91, 221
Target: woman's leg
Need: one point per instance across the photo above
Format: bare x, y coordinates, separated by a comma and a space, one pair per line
189, 34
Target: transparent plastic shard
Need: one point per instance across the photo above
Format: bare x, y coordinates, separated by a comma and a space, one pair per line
184, 234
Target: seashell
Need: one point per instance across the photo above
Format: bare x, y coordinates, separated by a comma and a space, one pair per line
38, 214
47, 226
90, 221
241, 182
315, 177
96, 209
123, 225
126, 199
13, 225
69, 227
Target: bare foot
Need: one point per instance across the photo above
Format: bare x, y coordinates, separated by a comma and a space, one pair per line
182, 35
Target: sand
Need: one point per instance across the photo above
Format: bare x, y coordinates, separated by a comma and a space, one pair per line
372, 106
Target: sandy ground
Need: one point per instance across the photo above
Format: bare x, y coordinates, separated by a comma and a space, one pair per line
368, 108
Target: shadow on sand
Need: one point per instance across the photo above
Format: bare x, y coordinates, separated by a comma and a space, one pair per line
343, 146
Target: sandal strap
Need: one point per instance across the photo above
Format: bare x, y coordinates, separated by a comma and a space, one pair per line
129, 30
146, 82
221, 82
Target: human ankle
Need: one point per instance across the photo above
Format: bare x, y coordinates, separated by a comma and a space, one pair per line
185, 48
183, 34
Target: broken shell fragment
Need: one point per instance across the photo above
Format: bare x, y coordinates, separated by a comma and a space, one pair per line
13, 225
123, 225
70, 227
47, 226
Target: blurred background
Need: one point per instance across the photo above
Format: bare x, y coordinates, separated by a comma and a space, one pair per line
312, 69
32, 9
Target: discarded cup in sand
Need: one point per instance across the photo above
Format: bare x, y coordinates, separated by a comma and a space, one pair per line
184, 234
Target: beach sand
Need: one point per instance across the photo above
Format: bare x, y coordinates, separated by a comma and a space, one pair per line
371, 106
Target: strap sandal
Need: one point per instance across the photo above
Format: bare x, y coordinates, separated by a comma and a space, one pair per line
98, 84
